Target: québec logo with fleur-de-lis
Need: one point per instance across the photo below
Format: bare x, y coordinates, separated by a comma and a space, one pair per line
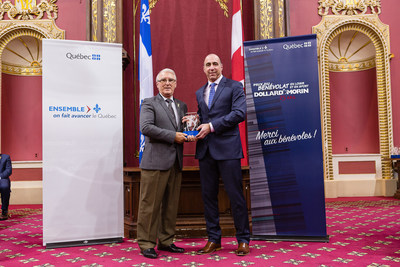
145, 14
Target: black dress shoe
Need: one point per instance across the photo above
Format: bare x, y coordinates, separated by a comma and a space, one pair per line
149, 253
171, 248
4, 215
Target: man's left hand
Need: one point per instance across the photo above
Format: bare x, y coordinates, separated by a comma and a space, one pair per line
204, 130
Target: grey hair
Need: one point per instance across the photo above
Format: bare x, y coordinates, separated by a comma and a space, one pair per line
165, 70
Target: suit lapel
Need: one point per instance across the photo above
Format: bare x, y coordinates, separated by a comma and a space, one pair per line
163, 104
2, 162
202, 93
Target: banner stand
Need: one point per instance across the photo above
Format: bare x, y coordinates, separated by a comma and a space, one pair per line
82, 143
285, 140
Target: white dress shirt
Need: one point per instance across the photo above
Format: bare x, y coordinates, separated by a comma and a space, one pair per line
207, 91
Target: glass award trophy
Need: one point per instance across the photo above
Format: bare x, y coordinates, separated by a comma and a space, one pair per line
190, 126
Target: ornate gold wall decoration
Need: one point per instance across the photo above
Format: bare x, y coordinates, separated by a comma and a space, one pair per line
25, 4
266, 19
94, 21
281, 18
348, 7
327, 30
152, 4
20, 45
110, 20
224, 7
105, 23
28, 10
270, 18
21, 34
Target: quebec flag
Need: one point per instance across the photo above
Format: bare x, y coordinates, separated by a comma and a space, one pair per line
145, 61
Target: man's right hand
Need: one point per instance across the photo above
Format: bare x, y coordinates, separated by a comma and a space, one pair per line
180, 137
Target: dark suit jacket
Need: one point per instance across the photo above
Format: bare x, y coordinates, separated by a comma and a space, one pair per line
157, 125
227, 110
5, 166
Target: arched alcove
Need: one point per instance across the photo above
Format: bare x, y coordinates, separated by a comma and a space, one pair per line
12, 30
378, 33
383, 88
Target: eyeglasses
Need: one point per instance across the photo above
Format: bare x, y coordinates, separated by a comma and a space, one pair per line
165, 80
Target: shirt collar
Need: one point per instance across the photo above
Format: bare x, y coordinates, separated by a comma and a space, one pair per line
217, 81
172, 98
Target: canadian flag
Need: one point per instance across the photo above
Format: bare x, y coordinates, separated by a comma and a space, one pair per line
238, 65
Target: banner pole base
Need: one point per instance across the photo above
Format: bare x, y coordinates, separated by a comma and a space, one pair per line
291, 238
84, 242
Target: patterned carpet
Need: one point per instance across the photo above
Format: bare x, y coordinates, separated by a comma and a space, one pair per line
363, 232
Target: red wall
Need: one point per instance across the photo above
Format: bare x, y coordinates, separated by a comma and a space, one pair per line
354, 112
21, 117
72, 18
303, 14
363, 167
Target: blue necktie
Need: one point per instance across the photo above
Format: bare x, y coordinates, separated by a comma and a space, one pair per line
212, 93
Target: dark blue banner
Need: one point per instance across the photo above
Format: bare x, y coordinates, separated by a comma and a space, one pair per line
284, 138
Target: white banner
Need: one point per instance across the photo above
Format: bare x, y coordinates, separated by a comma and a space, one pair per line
82, 143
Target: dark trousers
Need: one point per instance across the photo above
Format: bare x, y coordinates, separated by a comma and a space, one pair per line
5, 189
231, 174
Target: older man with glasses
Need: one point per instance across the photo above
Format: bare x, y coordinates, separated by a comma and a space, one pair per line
161, 167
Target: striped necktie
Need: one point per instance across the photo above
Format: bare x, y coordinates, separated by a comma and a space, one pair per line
169, 103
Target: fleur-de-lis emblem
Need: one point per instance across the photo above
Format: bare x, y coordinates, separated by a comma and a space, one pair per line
142, 143
350, 2
145, 14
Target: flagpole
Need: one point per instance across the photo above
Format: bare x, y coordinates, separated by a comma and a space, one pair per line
238, 65
135, 6
145, 61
